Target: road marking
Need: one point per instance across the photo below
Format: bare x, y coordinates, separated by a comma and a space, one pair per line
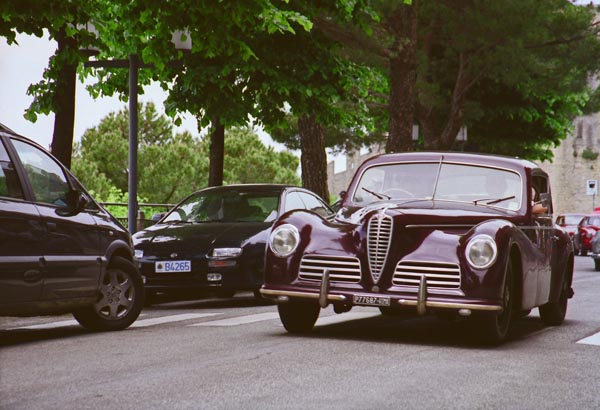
240, 320
138, 323
51, 325
591, 340
172, 318
345, 317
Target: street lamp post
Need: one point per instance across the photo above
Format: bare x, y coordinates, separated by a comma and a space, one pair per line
132, 206
134, 64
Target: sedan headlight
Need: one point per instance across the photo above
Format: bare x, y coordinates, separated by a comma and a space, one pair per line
284, 240
138, 253
481, 251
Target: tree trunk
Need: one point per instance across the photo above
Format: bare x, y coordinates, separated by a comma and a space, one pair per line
403, 74
313, 157
440, 126
217, 153
63, 103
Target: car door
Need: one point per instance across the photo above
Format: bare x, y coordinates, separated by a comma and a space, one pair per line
71, 248
21, 238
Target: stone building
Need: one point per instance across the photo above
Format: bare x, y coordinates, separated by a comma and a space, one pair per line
575, 161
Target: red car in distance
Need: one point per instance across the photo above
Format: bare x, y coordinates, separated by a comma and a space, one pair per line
569, 223
586, 230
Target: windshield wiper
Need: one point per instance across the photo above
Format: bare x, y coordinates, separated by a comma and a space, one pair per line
493, 200
380, 196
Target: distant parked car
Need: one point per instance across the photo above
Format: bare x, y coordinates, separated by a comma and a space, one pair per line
60, 251
569, 223
451, 234
595, 254
587, 228
215, 238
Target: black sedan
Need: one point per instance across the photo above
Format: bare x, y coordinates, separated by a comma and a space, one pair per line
215, 238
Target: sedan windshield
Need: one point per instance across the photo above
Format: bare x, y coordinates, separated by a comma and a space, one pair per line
226, 206
453, 182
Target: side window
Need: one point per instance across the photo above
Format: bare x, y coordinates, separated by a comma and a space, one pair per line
540, 186
314, 204
293, 201
46, 176
10, 186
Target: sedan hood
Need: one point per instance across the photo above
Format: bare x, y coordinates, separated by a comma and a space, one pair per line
195, 237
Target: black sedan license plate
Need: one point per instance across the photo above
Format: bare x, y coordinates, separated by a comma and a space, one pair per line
371, 300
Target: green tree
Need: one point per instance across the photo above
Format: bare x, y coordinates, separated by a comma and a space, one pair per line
515, 73
171, 165
475, 54
309, 76
56, 91
248, 160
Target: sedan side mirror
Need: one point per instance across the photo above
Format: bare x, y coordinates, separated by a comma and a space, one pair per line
157, 217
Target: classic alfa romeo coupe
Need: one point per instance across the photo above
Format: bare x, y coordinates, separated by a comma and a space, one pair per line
454, 234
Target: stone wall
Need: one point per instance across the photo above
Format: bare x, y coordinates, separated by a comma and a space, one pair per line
570, 170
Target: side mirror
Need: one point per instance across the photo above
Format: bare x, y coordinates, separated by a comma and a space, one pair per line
545, 200
157, 217
76, 202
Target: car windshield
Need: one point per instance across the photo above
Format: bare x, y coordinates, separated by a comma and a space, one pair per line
226, 206
453, 182
571, 219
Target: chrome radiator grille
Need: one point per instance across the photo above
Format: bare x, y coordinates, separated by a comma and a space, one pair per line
341, 269
437, 274
379, 238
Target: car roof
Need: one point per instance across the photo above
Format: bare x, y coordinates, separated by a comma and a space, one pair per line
258, 187
487, 159
4, 128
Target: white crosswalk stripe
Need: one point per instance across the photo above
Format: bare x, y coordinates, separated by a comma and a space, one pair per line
170, 319
591, 340
233, 321
240, 320
51, 325
345, 317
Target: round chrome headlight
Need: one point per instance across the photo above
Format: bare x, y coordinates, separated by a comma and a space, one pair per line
284, 240
481, 251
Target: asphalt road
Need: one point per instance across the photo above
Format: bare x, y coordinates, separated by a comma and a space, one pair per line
234, 354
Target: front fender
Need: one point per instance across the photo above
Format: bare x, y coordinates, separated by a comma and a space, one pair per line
488, 282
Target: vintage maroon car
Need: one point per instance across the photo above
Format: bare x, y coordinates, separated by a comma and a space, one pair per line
448, 233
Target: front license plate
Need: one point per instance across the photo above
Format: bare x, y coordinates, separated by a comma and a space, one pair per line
173, 266
371, 300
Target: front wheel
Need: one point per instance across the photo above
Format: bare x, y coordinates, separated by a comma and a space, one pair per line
298, 316
120, 300
597, 264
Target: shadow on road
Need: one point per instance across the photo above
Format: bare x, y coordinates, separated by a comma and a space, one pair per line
428, 330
